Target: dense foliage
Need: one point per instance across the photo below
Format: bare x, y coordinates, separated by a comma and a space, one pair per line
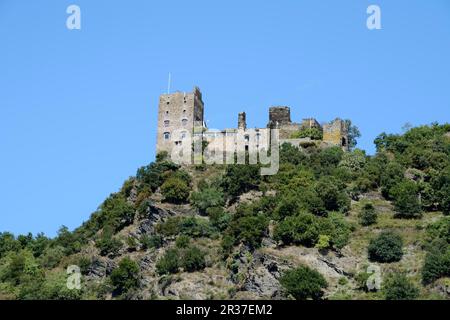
304, 283
310, 202
387, 247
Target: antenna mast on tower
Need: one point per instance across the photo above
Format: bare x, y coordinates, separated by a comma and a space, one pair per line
168, 83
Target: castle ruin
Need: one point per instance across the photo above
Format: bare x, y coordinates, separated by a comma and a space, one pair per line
181, 115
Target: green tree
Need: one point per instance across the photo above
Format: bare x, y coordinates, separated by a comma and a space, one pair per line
175, 190
125, 276
207, 198
239, 179
368, 215
193, 259
169, 263
353, 134
387, 247
399, 287
406, 200
304, 283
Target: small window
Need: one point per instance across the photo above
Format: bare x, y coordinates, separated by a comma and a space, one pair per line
166, 123
183, 135
184, 111
166, 135
247, 138
167, 113
184, 122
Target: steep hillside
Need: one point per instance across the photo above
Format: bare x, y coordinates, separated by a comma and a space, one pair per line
329, 225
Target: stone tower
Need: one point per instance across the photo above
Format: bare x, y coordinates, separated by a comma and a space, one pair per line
178, 114
336, 133
242, 121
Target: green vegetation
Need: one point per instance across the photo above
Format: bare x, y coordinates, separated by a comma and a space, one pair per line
312, 133
126, 276
304, 283
337, 202
399, 287
387, 247
368, 215
188, 257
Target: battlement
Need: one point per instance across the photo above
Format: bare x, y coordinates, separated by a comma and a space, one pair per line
180, 113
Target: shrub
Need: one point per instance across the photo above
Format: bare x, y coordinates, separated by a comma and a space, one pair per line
175, 190
406, 200
125, 276
436, 265
399, 287
323, 242
193, 259
301, 229
368, 216
312, 133
169, 263
249, 229
147, 242
239, 179
303, 283
107, 244
207, 198
182, 241
329, 192
191, 226
387, 247
115, 212
219, 218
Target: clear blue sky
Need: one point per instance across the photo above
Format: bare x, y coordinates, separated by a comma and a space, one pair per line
78, 108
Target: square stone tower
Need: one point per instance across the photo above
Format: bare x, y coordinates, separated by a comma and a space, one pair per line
178, 114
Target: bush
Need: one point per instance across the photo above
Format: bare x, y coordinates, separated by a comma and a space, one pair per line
219, 218
193, 259
239, 179
175, 190
301, 229
436, 265
107, 244
116, 212
147, 242
387, 247
249, 229
169, 263
303, 283
399, 287
191, 226
125, 276
312, 133
406, 200
368, 216
182, 241
207, 198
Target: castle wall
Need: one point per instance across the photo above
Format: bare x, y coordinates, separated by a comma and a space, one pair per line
335, 133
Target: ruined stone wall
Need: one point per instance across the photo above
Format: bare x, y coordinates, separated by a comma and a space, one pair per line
335, 133
242, 121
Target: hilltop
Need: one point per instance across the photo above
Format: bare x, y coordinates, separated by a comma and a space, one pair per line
330, 225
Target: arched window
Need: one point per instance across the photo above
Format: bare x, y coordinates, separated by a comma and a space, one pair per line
184, 122
166, 135
183, 135
344, 142
166, 123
